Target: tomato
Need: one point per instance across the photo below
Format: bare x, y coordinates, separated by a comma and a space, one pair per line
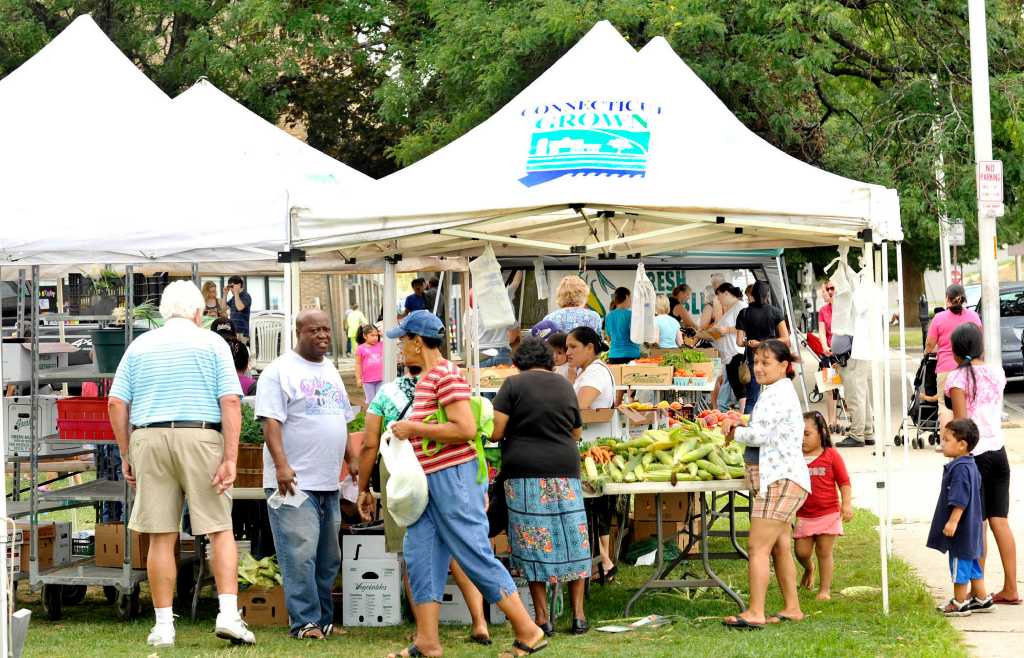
704, 414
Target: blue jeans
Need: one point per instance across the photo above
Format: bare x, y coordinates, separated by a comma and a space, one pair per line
454, 525
309, 555
502, 358
726, 396
753, 388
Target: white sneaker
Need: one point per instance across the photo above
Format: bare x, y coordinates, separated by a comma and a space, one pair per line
231, 627
161, 637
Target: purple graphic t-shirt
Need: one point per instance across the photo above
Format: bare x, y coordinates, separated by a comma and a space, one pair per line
310, 401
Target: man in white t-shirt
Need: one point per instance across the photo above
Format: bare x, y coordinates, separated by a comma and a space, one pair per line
305, 412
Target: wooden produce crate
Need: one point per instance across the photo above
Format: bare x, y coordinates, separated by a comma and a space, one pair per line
250, 466
647, 375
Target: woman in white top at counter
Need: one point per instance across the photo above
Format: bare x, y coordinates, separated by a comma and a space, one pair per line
595, 389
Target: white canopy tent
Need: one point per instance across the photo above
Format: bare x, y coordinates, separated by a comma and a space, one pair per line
613, 150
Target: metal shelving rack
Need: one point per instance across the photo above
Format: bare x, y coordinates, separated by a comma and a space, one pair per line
66, 583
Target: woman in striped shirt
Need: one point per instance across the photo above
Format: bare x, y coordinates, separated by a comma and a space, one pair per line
454, 524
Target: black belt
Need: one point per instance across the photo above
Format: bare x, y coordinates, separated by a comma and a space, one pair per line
185, 425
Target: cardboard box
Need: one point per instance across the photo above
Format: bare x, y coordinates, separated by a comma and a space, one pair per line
593, 416
110, 546
17, 358
263, 607
616, 371
647, 375
17, 411
674, 507
372, 593
14, 558
500, 544
496, 616
364, 547
54, 544
492, 377
453, 607
647, 529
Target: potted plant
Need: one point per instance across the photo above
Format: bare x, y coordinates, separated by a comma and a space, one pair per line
250, 451
108, 343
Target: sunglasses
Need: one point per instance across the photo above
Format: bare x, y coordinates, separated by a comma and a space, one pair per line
830, 289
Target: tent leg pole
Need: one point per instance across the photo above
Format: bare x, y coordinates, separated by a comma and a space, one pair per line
195, 274
903, 352
868, 277
4, 612
887, 390
390, 320
794, 345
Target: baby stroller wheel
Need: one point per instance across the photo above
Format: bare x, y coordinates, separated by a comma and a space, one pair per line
917, 444
933, 439
897, 440
815, 396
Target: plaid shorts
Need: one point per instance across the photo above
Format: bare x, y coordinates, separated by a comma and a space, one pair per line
780, 501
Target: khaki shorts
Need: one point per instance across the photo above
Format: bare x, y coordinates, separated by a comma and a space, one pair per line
780, 501
940, 389
170, 464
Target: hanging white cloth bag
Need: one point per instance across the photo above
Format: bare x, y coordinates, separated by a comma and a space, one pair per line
491, 299
642, 328
844, 280
407, 492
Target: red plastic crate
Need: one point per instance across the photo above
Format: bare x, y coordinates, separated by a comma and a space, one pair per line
85, 419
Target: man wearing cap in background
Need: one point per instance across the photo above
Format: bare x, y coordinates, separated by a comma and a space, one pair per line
177, 387
305, 411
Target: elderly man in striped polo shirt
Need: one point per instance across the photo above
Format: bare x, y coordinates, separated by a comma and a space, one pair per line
175, 407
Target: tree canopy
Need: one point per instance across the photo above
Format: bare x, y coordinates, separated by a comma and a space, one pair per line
878, 90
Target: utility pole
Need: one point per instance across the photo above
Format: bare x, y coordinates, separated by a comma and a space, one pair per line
987, 212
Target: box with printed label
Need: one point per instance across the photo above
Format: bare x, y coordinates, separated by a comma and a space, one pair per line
365, 547
53, 547
453, 606
18, 412
371, 593
263, 607
647, 375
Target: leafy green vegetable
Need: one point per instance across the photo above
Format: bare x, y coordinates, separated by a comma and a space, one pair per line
358, 423
683, 358
258, 573
252, 431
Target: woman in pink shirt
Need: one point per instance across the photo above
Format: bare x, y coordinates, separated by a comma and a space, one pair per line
939, 333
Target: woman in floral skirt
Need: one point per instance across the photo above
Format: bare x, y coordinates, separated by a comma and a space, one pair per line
537, 418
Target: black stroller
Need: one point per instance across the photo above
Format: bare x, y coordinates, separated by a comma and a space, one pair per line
924, 405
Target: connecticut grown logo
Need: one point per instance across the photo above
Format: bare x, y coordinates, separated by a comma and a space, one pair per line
588, 137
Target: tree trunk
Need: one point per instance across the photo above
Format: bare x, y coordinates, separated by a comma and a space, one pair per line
913, 288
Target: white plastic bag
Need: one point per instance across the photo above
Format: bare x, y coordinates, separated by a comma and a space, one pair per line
844, 279
407, 491
491, 299
641, 327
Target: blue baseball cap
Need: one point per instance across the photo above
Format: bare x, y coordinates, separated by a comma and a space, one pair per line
419, 323
543, 329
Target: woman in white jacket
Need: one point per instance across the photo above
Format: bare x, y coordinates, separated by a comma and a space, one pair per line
777, 474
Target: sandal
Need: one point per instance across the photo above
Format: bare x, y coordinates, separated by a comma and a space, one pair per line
782, 618
1002, 600
485, 640
739, 623
525, 648
310, 632
954, 608
411, 651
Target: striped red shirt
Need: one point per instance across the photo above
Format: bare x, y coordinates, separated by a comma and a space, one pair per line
443, 385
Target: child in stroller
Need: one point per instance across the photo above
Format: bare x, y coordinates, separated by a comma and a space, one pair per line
923, 409
834, 405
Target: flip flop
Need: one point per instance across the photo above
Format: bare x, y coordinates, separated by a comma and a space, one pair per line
481, 639
782, 619
525, 648
412, 651
1002, 600
739, 623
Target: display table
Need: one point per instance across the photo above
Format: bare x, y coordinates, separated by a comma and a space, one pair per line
706, 513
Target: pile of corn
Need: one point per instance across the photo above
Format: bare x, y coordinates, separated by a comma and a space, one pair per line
689, 452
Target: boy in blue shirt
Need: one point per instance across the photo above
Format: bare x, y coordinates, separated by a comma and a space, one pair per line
957, 524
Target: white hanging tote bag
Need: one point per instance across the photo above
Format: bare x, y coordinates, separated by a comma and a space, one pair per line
491, 297
844, 280
641, 327
407, 492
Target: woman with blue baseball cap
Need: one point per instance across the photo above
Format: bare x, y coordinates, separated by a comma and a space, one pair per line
454, 524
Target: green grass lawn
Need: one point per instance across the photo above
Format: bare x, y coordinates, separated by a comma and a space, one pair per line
914, 339
841, 627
